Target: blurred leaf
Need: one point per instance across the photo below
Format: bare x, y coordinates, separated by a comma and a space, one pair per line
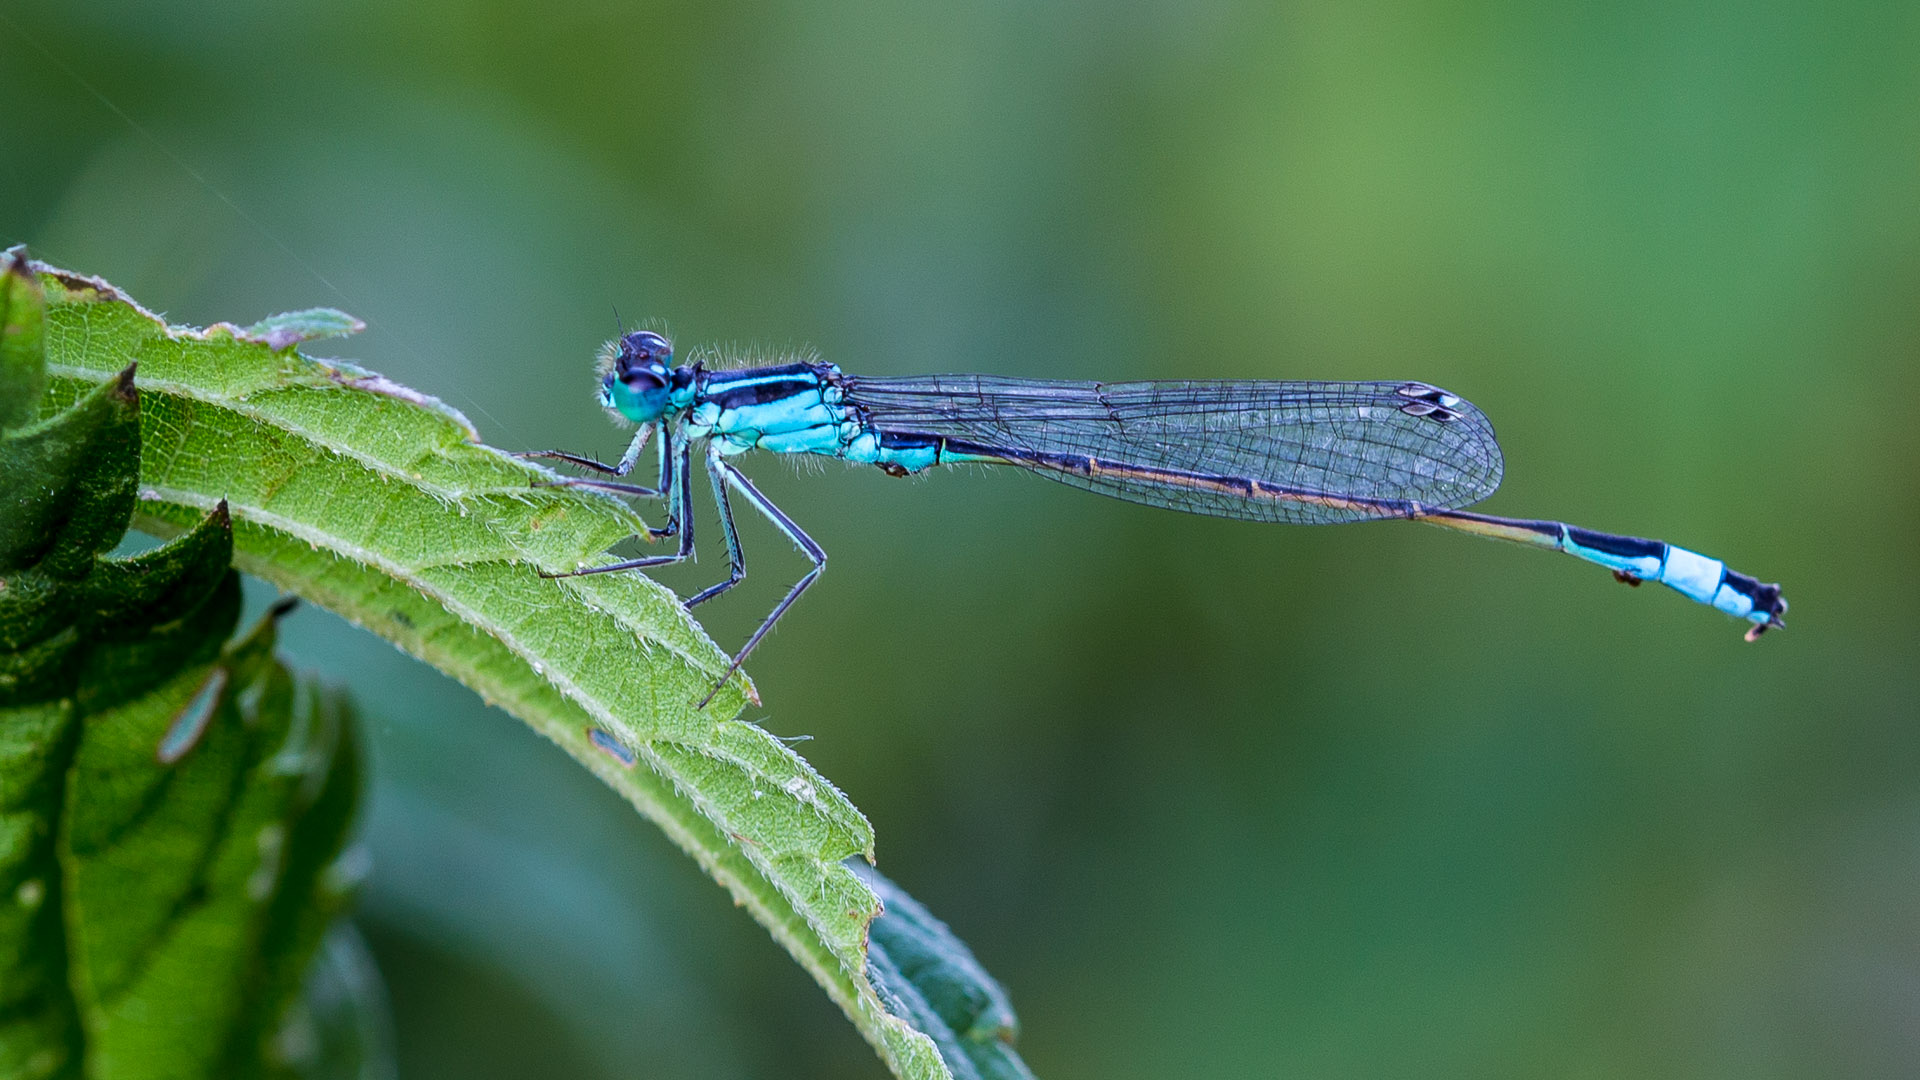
379, 503
171, 813
924, 972
340, 1027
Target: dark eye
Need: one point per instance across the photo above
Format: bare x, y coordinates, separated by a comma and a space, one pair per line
644, 348
642, 360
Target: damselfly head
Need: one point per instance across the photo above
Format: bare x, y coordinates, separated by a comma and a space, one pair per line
639, 376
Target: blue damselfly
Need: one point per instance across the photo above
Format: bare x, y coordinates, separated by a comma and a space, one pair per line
1295, 452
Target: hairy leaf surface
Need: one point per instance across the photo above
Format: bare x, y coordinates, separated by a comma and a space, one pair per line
380, 503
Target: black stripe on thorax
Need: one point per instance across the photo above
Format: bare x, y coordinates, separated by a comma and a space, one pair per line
762, 385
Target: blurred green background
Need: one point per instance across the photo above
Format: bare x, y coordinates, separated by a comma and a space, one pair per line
1214, 799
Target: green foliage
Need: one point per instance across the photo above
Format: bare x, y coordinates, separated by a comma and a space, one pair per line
924, 972
172, 812
381, 504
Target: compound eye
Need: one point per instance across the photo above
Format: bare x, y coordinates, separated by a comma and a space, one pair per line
645, 349
641, 361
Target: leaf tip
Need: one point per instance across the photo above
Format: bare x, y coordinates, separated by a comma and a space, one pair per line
15, 264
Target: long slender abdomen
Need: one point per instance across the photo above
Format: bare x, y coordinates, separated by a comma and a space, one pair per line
1633, 560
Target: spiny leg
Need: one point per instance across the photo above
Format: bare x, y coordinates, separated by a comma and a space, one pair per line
794, 533
736, 562
677, 516
600, 485
625, 466
582, 461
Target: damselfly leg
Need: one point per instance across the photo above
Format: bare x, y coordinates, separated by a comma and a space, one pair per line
680, 478
736, 562
622, 468
676, 480
724, 475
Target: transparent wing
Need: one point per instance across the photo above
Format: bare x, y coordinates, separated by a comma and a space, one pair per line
1300, 452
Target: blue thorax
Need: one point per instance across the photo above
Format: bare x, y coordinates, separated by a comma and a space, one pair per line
787, 409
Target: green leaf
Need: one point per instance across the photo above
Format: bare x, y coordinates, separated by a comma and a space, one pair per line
339, 1028
922, 970
23, 367
196, 894
379, 503
172, 813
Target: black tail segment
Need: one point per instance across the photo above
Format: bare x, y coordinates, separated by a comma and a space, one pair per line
1766, 600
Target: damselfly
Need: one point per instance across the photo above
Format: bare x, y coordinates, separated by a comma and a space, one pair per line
1297, 452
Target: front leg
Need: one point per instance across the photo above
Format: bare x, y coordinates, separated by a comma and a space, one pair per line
625, 465
677, 515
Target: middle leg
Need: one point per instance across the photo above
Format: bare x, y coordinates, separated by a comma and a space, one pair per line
736, 562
